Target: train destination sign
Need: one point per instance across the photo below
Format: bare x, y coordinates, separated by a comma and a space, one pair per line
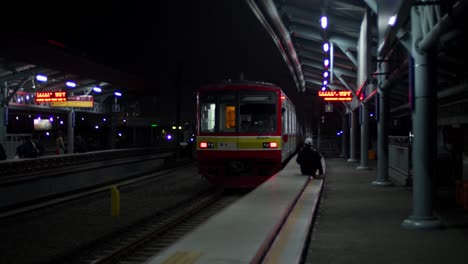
336, 95
75, 101
58, 96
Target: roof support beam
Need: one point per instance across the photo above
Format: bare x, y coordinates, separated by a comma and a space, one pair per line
306, 17
281, 37
317, 65
348, 53
445, 24
307, 33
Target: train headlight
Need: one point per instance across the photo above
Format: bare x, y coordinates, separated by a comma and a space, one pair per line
270, 145
204, 145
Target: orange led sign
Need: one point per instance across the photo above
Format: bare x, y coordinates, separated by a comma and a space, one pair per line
58, 96
336, 95
76, 101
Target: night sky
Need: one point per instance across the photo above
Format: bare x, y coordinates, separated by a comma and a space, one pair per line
168, 45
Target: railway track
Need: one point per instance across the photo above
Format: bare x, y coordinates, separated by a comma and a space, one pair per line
146, 239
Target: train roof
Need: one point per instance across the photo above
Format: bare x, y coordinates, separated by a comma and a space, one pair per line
225, 83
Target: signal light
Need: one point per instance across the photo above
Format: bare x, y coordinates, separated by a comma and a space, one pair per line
206, 145
270, 145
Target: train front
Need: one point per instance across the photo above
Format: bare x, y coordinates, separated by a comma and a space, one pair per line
238, 134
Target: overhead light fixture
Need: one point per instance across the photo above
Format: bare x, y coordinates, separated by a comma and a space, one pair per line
392, 20
118, 94
97, 89
324, 22
41, 78
71, 84
326, 46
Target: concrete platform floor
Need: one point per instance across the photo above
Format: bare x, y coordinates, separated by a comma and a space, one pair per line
358, 222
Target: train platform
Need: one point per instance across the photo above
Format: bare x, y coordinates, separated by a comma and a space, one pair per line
358, 222
342, 219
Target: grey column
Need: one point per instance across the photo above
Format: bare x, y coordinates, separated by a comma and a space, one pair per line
3, 112
365, 47
352, 137
344, 135
318, 134
112, 131
364, 137
424, 127
382, 128
71, 131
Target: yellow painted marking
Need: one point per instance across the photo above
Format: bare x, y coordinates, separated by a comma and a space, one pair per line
183, 257
243, 142
115, 201
281, 242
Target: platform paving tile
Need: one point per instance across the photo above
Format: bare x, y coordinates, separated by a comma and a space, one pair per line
358, 222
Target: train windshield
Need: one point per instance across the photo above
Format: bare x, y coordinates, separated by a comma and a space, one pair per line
238, 112
257, 111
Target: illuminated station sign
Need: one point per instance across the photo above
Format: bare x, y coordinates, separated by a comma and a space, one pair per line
76, 101
59, 96
336, 95
60, 99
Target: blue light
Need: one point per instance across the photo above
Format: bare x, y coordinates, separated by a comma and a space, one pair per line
325, 82
97, 89
371, 114
326, 47
41, 78
324, 22
325, 74
71, 84
326, 62
324, 88
168, 137
118, 94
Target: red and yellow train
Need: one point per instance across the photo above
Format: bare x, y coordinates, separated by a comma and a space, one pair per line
245, 132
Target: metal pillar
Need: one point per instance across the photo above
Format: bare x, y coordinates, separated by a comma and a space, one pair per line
71, 131
364, 117
344, 135
3, 114
382, 128
352, 138
318, 135
424, 127
365, 46
112, 131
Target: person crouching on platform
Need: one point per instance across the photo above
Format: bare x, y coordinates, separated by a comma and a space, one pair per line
310, 160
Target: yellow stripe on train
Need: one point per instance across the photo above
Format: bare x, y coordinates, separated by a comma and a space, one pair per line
239, 143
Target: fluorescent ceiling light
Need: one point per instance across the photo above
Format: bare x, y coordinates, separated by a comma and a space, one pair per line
392, 20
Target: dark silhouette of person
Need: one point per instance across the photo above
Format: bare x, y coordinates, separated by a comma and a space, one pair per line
27, 149
309, 159
3, 154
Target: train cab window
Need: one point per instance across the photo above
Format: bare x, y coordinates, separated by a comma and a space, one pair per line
227, 118
207, 117
227, 112
257, 112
